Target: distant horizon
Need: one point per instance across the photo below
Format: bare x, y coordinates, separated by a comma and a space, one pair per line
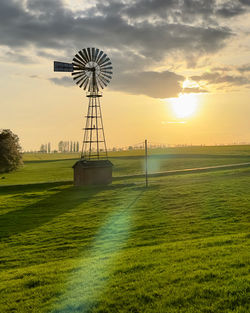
150, 146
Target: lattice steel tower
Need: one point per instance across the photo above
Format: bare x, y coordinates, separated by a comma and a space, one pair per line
94, 143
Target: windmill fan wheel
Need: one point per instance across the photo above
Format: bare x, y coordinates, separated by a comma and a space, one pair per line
92, 69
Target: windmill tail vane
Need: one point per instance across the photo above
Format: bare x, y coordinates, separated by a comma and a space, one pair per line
91, 69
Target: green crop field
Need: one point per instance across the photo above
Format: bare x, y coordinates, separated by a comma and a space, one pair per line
181, 245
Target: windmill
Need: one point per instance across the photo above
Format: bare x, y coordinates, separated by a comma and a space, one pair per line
91, 70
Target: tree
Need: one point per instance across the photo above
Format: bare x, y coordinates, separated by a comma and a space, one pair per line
60, 146
43, 148
10, 151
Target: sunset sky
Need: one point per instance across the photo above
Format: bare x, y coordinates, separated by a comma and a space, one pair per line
181, 70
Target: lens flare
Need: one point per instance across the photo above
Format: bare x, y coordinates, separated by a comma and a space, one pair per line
91, 271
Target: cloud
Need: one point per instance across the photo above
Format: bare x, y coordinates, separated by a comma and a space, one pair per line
65, 81
138, 35
48, 24
153, 84
194, 90
230, 9
245, 2
185, 11
16, 57
214, 78
222, 68
244, 68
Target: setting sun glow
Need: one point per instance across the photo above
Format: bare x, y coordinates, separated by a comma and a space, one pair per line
185, 105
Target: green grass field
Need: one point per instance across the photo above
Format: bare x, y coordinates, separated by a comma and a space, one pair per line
41, 168
182, 245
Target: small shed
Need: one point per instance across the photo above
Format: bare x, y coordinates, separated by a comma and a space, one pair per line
92, 172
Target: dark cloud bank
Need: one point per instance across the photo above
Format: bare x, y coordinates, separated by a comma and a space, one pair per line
136, 35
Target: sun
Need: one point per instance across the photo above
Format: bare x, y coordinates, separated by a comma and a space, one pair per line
185, 105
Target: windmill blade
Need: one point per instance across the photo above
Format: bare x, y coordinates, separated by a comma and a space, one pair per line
105, 84
104, 61
86, 84
106, 64
107, 59
105, 78
104, 81
106, 68
84, 80
86, 55
99, 56
107, 72
89, 54
78, 68
104, 56
106, 75
77, 72
93, 54
99, 81
79, 60
96, 53
63, 67
79, 81
77, 63
83, 56
81, 75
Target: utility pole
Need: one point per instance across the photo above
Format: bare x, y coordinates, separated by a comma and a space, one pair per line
146, 162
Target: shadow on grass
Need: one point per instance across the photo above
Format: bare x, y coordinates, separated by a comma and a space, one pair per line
51, 161
41, 212
19, 189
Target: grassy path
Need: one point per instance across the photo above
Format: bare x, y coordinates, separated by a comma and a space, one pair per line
190, 170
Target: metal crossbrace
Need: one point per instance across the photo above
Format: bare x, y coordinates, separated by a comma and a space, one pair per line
94, 143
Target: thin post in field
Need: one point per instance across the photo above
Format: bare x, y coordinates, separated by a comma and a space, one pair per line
146, 162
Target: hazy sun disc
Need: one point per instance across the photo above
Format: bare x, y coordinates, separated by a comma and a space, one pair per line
185, 105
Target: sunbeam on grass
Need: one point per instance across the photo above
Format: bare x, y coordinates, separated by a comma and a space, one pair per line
91, 272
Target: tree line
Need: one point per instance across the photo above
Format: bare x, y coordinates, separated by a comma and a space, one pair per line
63, 146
